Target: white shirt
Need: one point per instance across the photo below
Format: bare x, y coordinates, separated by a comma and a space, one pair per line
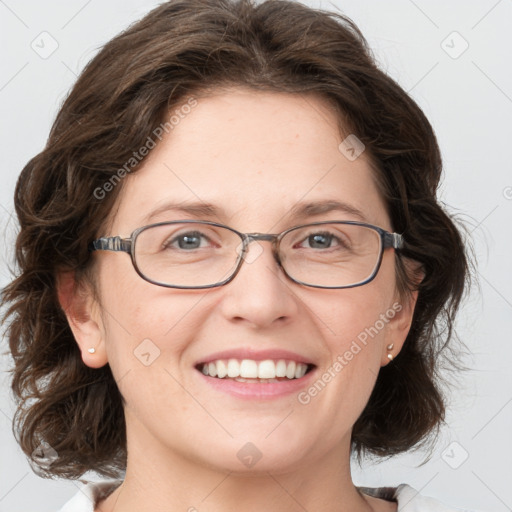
409, 500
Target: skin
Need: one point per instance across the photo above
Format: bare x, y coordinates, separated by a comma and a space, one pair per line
254, 155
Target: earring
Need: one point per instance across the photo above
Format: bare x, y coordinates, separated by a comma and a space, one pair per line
390, 347
91, 350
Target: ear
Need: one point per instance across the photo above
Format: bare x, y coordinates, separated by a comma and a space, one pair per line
400, 314
83, 314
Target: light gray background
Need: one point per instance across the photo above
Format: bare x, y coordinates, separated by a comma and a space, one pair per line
469, 102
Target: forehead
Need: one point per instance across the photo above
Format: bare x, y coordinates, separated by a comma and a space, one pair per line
253, 156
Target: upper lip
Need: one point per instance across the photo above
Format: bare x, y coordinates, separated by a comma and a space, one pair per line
256, 355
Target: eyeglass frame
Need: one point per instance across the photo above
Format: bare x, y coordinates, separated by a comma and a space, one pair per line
118, 244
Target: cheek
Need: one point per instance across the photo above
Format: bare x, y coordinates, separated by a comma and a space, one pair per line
355, 321
145, 326
354, 313
146, 338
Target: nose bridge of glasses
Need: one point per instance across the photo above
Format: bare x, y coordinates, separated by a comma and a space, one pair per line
261, 236
264, 237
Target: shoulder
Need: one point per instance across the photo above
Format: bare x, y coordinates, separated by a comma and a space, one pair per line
409, 499
89, 494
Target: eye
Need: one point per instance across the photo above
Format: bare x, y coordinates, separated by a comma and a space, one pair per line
187, 241
322, 240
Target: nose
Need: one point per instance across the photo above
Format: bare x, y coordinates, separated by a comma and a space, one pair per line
260, 294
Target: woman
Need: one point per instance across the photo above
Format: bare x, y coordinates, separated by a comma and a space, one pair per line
290, 277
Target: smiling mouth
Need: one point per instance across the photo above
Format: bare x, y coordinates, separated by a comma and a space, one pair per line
248, 370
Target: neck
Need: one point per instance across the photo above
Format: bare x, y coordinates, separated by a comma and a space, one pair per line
159, 479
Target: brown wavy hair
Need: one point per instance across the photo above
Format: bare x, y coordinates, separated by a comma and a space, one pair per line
194, 47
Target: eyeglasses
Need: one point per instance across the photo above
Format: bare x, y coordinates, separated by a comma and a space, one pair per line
202, 254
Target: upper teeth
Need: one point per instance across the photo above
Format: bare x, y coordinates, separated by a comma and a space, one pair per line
248, 368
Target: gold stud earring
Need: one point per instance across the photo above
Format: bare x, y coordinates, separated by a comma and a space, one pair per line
91, 350
390, 347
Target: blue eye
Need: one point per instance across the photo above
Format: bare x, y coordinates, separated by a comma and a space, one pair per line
320, 240
190, 240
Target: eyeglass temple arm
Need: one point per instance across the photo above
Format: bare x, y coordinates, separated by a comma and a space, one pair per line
394, 240
112, 243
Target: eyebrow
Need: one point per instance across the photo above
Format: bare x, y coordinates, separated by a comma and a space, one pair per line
198, 209
298, 211
312, 209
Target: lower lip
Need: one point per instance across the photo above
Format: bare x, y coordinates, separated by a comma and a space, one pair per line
258, 390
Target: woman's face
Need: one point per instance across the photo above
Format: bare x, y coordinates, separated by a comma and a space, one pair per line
255, 158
